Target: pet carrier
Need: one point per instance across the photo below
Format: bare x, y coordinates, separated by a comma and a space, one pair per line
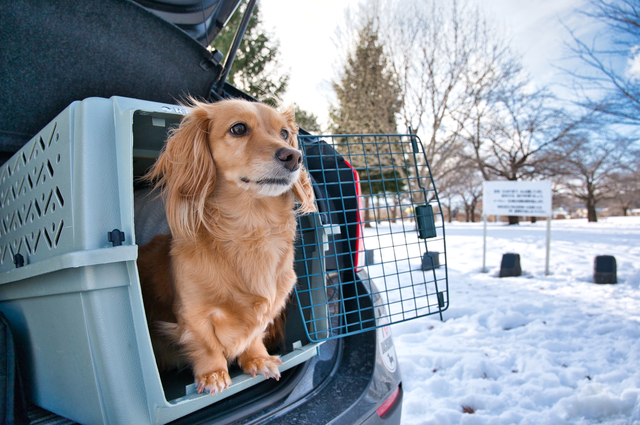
69, 283
72, 216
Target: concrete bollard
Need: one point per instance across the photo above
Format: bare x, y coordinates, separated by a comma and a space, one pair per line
605, 269
510, 265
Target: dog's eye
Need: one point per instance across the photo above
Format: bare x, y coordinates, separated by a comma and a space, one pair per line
284, 133
239, 129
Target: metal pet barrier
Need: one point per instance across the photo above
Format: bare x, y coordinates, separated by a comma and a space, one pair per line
374, 254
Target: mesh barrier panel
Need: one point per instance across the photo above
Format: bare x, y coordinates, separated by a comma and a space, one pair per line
374, 254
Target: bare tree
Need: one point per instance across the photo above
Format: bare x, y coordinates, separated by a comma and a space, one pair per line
588, 168
448, 192
523, 127
469, 188
625, 182
610, 82
625, 187
439, 51
446, 200
465, 93
610, 86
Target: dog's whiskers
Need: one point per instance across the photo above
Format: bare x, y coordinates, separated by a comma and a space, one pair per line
284, 182
276, 181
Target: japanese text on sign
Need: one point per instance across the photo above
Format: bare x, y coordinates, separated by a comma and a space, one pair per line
531, 199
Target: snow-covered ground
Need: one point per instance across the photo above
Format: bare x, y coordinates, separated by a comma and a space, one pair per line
534, 349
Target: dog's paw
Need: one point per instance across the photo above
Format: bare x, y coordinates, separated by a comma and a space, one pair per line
213, 382
263, 366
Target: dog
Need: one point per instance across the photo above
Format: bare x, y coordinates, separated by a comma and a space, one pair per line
230, 175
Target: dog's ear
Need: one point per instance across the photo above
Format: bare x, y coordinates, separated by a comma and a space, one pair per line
304, 193
302, 187
186, 172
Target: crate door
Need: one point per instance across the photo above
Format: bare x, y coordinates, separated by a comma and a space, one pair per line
374, 254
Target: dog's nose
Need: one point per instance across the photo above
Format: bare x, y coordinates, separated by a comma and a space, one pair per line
290, 158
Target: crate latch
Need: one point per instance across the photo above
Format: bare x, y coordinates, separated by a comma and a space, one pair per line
425, 222
18, 260
116, 237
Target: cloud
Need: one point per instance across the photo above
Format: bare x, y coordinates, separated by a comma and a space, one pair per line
633, 65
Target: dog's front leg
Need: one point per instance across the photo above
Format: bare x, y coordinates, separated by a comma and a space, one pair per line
256, 360
206, 353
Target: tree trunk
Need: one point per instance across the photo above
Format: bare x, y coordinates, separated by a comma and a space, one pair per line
448, 207
513, 219
591, 213
394, 211
590, 203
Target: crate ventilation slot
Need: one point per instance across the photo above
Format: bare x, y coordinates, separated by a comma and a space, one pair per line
35, 189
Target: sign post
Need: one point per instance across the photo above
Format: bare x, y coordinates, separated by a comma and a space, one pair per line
519, 198
484, 244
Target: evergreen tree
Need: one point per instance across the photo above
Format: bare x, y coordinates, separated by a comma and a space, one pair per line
368, 101
307, 120
368, 93
255, 68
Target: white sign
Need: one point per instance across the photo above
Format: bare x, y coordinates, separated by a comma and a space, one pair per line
519, 198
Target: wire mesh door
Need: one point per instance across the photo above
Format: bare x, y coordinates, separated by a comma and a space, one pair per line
374, 254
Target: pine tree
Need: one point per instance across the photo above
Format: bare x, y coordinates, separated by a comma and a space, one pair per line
368, 93
255, 68
368, 100
307, 120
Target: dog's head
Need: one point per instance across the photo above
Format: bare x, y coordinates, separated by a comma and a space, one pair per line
235, 145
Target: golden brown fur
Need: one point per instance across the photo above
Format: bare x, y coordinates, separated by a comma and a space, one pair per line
225, 273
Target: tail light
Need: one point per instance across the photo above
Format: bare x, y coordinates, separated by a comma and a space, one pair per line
388, 403
359, 254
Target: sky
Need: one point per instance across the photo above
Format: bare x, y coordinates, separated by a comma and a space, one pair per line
306, 30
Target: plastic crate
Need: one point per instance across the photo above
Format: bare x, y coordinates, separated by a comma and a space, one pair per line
73, 298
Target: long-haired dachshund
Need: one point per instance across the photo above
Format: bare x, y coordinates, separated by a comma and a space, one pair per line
230, 175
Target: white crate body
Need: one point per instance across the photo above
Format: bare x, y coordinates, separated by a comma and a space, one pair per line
75, 307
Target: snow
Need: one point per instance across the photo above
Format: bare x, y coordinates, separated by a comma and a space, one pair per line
534, 349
